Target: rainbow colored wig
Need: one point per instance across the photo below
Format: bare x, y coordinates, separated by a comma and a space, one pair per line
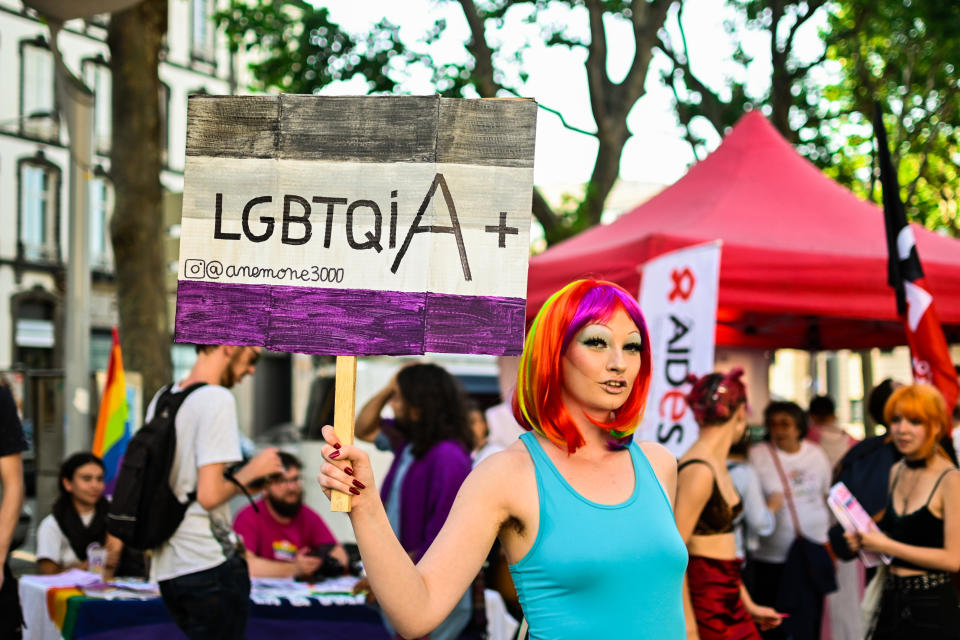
537, 398
921, 403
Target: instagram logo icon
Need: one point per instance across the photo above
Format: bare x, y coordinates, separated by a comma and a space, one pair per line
194, 269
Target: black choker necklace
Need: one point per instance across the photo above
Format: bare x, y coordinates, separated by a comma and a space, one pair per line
919, 463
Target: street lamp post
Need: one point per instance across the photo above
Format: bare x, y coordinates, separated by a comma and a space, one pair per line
76, 101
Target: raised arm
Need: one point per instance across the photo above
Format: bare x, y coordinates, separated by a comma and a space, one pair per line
367, 425
416, 598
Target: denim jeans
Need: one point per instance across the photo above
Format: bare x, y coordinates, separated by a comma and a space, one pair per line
213, 604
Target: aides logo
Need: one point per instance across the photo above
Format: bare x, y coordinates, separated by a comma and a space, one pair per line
684, 283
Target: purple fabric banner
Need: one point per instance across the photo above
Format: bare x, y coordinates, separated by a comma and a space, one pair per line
347, 321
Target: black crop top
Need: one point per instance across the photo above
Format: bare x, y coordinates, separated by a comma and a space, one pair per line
919, 528
717, 516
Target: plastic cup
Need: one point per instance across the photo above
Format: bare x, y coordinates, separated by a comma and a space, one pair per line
96, 558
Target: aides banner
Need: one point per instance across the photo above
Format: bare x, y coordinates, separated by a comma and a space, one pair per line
678, 296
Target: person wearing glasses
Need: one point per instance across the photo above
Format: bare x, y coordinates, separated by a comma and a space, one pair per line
283, 537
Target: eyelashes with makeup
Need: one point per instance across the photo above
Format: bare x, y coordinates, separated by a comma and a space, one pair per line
596, 342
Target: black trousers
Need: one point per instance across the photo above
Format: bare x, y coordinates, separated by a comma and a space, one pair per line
766, 581
930, 614
11, 616
213, 604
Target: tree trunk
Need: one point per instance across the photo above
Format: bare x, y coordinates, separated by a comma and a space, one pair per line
135, 37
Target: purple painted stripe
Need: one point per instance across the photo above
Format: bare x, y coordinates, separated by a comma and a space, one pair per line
347, 321
461, 324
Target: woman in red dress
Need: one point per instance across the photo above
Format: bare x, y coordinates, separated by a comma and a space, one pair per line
716, 604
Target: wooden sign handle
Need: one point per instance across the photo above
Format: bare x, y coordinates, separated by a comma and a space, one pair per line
345, 398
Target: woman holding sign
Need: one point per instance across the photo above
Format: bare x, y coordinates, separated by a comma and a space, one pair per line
921, 523
717, 604
583, 513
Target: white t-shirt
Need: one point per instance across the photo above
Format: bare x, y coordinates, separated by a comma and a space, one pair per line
207, 433
808, 472
53, 545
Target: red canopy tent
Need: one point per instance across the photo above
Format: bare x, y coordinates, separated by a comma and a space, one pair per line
804, 261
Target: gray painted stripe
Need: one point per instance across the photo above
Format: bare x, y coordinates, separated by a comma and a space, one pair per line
347, 321
487, 132
376, 129
359, 129
233, 126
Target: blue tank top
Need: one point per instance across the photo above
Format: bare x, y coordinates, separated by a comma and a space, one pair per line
602, 571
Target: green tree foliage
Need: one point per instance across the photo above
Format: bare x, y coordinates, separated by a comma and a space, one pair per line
783, 99
299, 49
901, 52
904, 54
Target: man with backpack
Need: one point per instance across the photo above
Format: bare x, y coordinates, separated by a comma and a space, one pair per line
201, 570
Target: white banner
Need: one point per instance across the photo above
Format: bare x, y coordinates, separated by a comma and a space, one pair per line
678, 297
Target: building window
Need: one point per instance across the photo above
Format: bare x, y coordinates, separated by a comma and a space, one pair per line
101, 344
101, 20
101, 206
38, 117
34, 329
96, 75
39, 185
202, 31
183, 357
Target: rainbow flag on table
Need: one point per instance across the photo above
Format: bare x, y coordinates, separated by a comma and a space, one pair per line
113, 428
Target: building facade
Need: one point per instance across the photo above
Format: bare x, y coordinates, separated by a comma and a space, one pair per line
34, 183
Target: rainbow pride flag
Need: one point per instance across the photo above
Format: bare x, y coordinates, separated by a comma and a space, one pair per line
113, 426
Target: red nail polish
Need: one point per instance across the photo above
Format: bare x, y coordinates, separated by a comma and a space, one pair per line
354, 491
334, 454
336, 446
348, 471
359, 485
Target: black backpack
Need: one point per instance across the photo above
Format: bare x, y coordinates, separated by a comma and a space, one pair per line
144, 511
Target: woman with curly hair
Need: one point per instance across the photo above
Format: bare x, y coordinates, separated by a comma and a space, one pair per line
717, 605
431, 439
584, 514
920, 526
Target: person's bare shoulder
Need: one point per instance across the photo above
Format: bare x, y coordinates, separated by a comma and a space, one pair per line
657, 454
509, 474
511, 463
664, 466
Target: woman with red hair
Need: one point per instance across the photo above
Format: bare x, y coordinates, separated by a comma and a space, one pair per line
920, 526
583, 513
717, 605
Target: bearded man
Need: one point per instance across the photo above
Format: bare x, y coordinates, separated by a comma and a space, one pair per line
201, 571
284, 538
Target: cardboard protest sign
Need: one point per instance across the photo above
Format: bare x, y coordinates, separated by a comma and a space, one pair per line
356, 225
